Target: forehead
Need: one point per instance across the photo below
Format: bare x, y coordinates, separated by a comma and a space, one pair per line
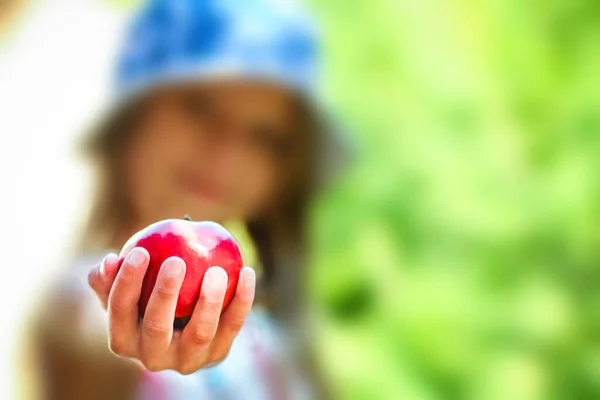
223, 87
254, 98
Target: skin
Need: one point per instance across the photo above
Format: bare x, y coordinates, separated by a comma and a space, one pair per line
212, 152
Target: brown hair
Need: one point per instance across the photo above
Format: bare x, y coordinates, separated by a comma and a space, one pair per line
279, 233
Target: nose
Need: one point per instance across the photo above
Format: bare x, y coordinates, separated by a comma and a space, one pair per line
229, 152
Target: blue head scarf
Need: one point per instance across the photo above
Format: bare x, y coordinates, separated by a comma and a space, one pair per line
174, 40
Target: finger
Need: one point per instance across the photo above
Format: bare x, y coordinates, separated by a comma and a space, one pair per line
123, 302
235, 315
157, 325
102, 277
201, 329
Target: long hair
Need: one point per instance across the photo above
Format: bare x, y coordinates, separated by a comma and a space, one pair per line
279, 233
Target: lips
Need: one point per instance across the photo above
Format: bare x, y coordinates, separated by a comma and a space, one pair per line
202, 188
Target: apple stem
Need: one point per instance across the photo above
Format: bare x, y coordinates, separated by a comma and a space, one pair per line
187, 217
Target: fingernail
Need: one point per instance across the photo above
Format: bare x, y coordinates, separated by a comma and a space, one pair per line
110, 258
173, 267
136, 257
215, 276
249, 278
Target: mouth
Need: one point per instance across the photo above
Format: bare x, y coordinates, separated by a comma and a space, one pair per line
202, 188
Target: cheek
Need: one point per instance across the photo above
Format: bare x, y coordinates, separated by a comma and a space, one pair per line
152, 161
144, 177
257, 186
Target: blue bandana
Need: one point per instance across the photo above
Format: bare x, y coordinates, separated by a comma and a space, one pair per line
182, 40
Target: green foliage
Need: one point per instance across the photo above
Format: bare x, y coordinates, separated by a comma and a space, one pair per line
458, 258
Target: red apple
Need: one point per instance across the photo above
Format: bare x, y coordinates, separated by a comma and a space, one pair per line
201, 245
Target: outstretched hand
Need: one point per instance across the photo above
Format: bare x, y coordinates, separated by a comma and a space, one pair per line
204, 341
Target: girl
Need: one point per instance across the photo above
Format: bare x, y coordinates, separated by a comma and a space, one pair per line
215, 117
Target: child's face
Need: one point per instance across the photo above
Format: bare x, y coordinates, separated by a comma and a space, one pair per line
209, 151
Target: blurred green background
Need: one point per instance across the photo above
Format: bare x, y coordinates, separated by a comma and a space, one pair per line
459, 257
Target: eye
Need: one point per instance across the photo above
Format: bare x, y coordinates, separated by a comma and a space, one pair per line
200, 107
270, 139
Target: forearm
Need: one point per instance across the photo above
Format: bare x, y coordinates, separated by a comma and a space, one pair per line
68, 374
70, 352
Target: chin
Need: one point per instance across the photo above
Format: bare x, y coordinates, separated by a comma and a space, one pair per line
203, 211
